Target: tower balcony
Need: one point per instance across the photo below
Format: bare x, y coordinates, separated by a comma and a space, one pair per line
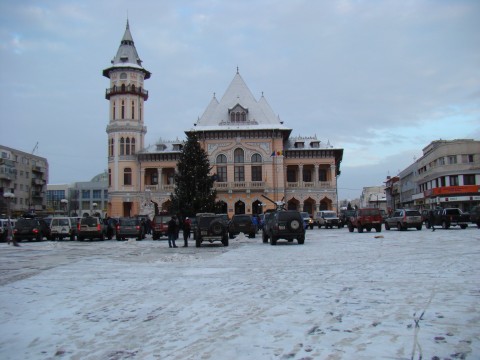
126, 89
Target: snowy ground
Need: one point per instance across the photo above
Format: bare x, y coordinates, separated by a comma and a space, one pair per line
403, 295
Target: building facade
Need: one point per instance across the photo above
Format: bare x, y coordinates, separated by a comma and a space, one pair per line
26, 176
255, 159
447, 175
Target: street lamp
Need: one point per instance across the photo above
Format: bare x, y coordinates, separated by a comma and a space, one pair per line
94, 208
64, 203
8, 198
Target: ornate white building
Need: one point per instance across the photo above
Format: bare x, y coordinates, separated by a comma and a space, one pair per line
249, 148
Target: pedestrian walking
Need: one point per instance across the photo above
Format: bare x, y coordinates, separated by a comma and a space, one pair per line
187, 226
10, 235
431, 219
172, 232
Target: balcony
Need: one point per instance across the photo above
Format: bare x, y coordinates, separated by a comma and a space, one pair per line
166, 188
37, 194
38, 182
310, 185
129, 89
37, 169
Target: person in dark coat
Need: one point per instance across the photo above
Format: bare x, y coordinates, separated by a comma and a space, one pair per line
172, 232
431, 219
187, 226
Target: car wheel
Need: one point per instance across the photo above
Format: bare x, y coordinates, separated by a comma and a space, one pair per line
427, 224
264, 237
198, 242
400, 227
378, 228
301, 240
360, 228
369, 228
463, 226
216, 228
419, 227
350, 228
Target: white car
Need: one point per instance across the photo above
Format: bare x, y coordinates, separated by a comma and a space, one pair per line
327, 218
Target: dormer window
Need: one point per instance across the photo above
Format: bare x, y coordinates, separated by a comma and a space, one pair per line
238, 114
177, 147
299, 145
161, 147
315, 144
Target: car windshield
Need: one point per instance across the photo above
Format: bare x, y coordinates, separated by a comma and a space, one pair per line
127, 222
62, 222
286, 215
26, 222
89, 221
413, 213
329, 214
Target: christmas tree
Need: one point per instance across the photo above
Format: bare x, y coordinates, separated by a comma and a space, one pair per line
194, 185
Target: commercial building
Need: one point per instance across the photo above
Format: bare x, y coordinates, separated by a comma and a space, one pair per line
249, 148
447, 175
24, 175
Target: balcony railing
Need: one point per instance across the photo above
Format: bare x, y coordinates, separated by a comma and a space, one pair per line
38, 182
129, 89
168, 188
310, 185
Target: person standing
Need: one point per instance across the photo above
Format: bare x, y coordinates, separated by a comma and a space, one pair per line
172, 232
187, 226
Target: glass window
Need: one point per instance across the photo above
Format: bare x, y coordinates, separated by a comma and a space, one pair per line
256, 173
239, 173
97, 194
469, 179
127, 146
122, 146
454, 180
133, 146
127, 176
221, 159
238, 156
85, 194
221, 174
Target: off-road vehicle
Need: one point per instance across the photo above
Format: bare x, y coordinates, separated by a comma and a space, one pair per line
160, 225
366, 218
211, 227
91, 227
328, 219
286, 224
450, 217
31, 229
241, 224
62, 227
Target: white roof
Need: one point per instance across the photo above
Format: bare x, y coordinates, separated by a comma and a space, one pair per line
259, 113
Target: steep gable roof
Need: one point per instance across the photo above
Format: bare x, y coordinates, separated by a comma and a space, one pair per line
217, 114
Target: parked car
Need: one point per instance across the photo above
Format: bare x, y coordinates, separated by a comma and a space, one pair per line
211, 227
345, 216
365, 218
128, 227
450, 217
91, 227
307, 220
286, 224
160, 225
328, 219
31, 229
475, 215
61, 228
403, 219
241, 223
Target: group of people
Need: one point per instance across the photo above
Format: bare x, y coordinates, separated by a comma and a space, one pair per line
174, 229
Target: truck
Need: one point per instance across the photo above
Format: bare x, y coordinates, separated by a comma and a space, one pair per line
449, 217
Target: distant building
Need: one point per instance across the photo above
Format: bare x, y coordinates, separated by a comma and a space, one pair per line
447, 175
26, 176
373, 197
249, 148
79, 198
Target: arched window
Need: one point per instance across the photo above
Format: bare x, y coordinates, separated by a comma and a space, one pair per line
244, 116
238, 156
123, 76
237, 116
239, 170
122, 146
232, 117
123, 88
127, 176
221, 168
127, 146
256, 167
123, 109
133, 146
133, 110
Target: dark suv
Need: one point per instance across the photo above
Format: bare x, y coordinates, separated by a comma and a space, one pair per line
286, 224
129, 228
31, 229
242, 224
211, 227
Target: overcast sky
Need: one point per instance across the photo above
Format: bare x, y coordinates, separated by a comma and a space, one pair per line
380, 79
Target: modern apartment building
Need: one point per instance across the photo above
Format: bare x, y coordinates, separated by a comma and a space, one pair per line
25, 176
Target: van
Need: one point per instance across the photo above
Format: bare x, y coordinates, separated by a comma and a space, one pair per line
61, 228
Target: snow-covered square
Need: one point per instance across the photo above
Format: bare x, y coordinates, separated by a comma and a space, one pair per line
389, 295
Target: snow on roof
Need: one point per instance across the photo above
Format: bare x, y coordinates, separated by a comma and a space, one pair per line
259, 114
